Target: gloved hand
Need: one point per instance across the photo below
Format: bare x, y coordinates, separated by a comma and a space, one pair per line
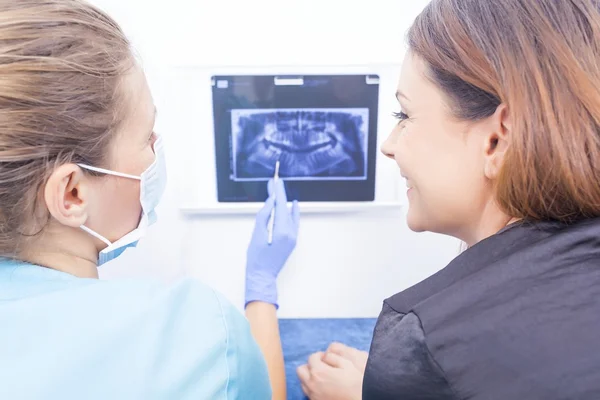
265, 261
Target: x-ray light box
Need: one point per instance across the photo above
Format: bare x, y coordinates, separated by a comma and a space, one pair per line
321, 128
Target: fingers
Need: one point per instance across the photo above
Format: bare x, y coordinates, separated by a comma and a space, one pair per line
355, 356
304, 376
262, 218
329, 376
315, 360
335, 360
340, 349
281, 209
270, 187
305, 390
307, 372
280, 192
303, 373
286, 221
296, 213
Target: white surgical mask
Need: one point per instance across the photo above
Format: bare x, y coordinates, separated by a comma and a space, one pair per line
152, 186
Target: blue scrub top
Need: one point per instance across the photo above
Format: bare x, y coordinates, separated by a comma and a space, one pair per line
63, 337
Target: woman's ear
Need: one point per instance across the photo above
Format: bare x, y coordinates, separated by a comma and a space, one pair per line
497, 141
66, 195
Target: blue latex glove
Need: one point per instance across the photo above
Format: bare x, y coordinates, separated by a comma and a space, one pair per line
265, 261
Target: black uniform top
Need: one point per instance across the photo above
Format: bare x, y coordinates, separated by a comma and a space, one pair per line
515, 317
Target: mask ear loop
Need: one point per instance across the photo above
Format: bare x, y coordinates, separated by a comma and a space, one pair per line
96, 235
109, 172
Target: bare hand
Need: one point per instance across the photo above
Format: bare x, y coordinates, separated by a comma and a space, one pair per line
336, 374
358, 357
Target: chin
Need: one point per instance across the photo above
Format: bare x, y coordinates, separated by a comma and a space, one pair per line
415, 222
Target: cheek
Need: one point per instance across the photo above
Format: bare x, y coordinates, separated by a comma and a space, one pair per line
401, 145
431, 153
444, 172
415, 151
118, 208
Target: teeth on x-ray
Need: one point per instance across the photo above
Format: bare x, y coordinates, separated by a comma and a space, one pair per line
307, 142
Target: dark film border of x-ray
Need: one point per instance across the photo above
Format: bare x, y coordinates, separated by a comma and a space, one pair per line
309, 143
321, 128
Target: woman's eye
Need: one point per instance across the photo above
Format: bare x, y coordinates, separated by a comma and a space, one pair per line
400, 116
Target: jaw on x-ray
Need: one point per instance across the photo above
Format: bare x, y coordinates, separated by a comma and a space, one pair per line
310, 144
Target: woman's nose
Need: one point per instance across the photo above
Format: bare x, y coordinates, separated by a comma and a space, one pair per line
387, 147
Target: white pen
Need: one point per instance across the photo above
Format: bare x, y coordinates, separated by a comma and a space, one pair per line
272, 220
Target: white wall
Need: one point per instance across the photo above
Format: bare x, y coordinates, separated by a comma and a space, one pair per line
344, 264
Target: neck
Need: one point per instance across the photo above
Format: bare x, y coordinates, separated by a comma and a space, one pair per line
489, 222
64, 249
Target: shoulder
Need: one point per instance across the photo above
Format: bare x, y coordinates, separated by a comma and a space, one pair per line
150, 339
203, 333
400, 364
521, 280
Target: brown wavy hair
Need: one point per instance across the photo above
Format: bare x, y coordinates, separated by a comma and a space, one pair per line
61, 65
542, 59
